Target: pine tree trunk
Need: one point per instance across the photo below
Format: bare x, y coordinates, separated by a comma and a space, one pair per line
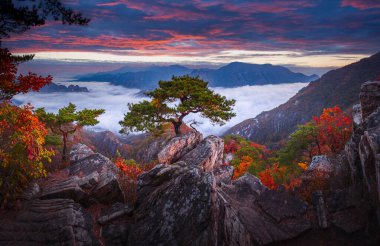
177, 128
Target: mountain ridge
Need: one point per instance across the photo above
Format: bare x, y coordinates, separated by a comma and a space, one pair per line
231, 75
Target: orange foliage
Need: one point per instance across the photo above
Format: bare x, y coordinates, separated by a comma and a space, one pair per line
303, 165
272, 176
243, 166
10, 83
129, 168
22, 151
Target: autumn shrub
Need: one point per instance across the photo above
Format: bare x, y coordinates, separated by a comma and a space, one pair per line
334, 130
247, 156
323, 135
129, 171
22, 150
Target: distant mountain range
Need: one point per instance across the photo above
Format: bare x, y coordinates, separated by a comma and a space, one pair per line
232, 75
338, 87
53, 87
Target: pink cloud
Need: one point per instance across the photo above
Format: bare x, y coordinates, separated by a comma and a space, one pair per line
361, 4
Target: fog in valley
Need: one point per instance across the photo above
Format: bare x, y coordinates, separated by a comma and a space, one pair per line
250, 101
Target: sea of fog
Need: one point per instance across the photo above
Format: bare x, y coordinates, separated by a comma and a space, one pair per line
250, 101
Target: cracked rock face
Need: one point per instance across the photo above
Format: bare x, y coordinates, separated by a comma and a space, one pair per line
49, 222
369, 148
183, 201
178, 147
207, 155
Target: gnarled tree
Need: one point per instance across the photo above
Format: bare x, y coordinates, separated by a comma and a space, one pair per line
68, 120
172, 101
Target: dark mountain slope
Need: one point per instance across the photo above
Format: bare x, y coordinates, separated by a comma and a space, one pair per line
239, 74
231, 75
337, 87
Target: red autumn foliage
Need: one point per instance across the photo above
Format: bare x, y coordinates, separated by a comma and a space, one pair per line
334, 130
267, 179
10, 83
231, 146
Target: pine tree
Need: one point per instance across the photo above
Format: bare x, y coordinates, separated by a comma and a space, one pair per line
172, 101
68, 120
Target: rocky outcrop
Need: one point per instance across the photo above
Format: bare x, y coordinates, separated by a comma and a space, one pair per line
194, 202
91, 177
369, 153
166, 147
48, 222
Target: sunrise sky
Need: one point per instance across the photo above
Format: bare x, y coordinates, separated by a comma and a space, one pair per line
314, 33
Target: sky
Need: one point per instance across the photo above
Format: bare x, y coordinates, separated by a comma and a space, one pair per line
295, 33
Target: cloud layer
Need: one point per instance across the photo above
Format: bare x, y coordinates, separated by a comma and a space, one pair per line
196, 29
251, 100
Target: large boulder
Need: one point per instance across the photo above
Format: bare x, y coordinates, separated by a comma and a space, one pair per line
91, 176
79, 152
321, 163
178, 147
